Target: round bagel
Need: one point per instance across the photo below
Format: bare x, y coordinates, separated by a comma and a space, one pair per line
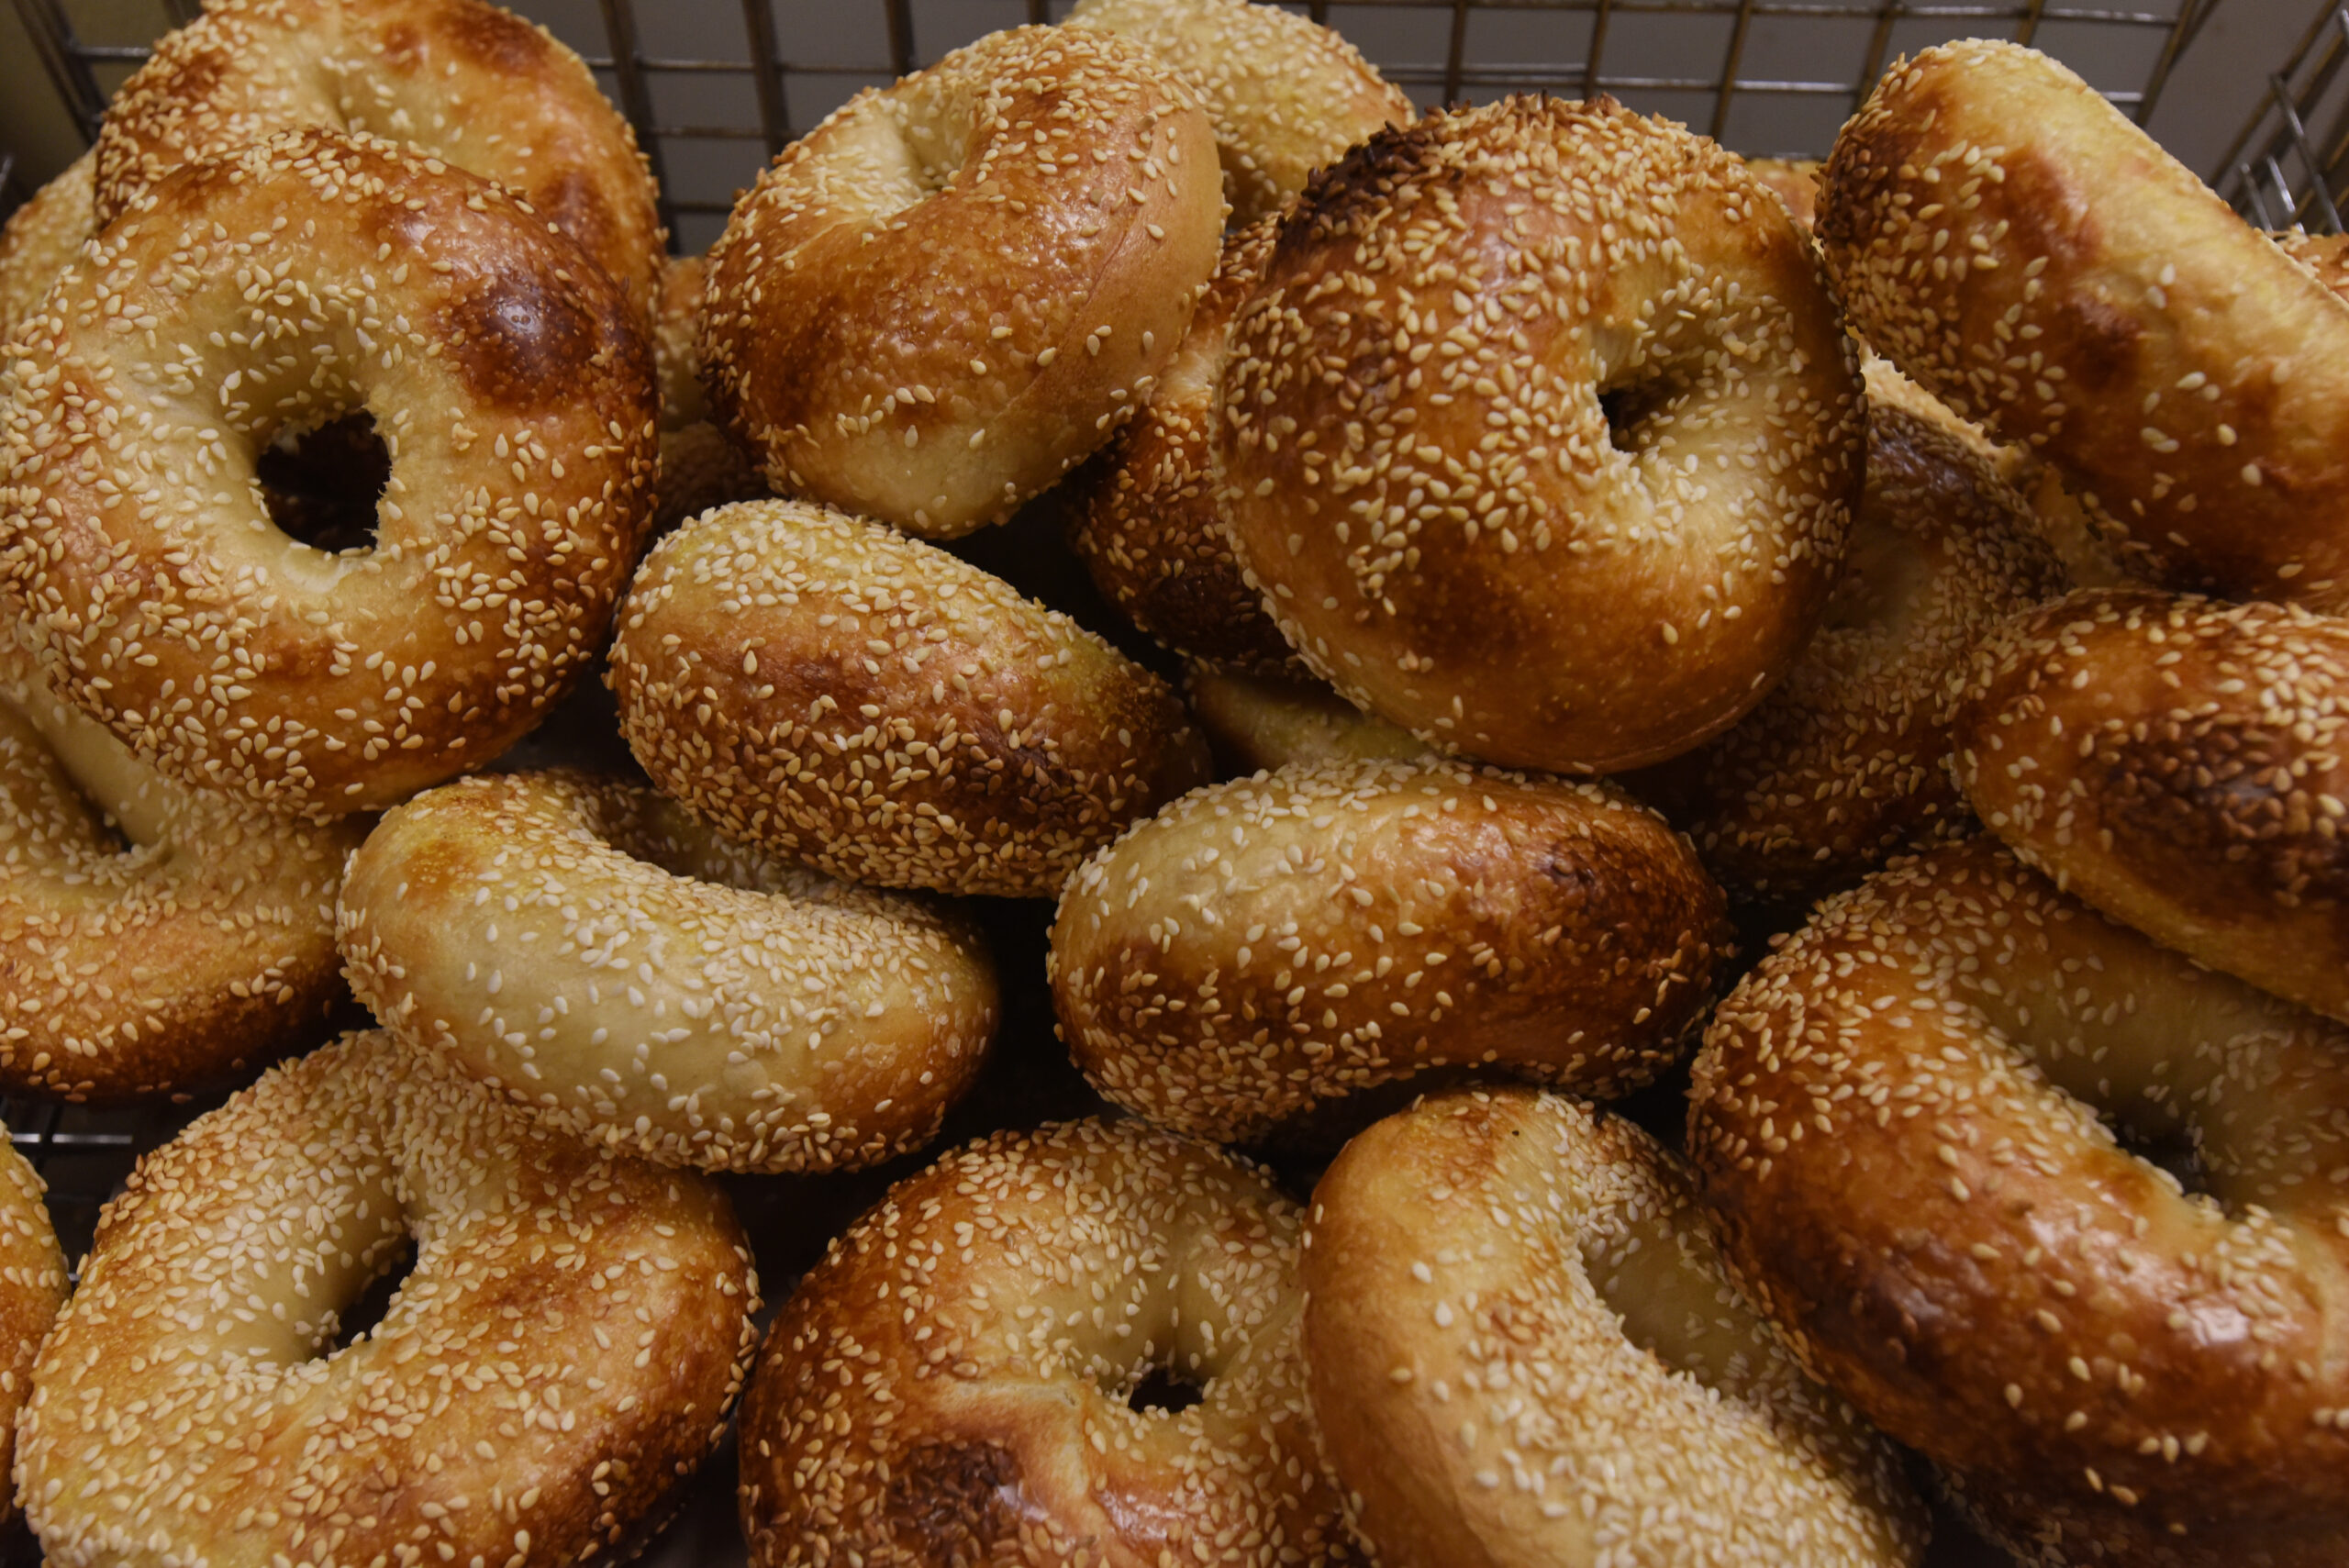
466, 83
642, 983
948, 294
159, 941
870, 705
2019, 247
32, 1287
1267, 946
564, 1350
41, 238
1145, 518
1049, 1274
1845, 764
1505, 1284
1579, 491
1257, 723
2182, 766
1287, 94
504, 376
1900, 1123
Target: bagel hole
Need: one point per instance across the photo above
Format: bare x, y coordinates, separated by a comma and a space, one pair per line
1162, 1392
2167, 1148
367, 1308
322, 484
1631, 410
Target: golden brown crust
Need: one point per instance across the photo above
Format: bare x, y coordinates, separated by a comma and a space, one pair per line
938, 301
641, 984
158, 940
1845, 764
1145, 516
1540, 434
1794, 181
2013, 243
465, 81
507, 379
871, 706
1261, 722
951, 1384
677, 342
1504, 1284
1267, 945
32, 1287
1899, 1120
2183, 766
41, 238
700, 467
564, 1350
1287, 95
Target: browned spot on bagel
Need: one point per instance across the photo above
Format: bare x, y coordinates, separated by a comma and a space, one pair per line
2216, 796
515, 339
495, 37
1362, 181
571, 203
955, 1497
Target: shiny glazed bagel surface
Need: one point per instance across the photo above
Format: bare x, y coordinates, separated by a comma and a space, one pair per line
640, 982
1540, 434
2011, 241
952, 290
504, 376
2182, 765
875, 708
1504, 1284
461, 81
1268, 945
1906, 1123
562, 1351
956, 1381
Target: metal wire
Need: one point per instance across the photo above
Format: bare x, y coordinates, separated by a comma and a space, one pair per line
2277, 173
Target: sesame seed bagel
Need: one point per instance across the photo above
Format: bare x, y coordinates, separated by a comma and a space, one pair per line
465, 82
948, 294
638, 981
1794, 181
1289, 95
2182, 765
1262, 722
1845, 763
159, 940
677, 342
1266, 946
505, 378
41, 238
1146, 519
1903, 1121
872, 706
957, 1380
2015, 244
1540, 434
563, 1349
32, 1287
1525, 1353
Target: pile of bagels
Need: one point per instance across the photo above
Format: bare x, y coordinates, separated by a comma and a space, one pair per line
1520, 612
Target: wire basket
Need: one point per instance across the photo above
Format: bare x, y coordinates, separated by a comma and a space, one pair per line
716, 87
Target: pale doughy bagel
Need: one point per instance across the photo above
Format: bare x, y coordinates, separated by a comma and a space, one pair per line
938, 300
1900, 1120
503, 374
640, 982
563, 1351
1542, 433
159, 940
951, 1383
2183, 766
1257, 723
1288, 97
2012, 242
466, 83
1264, 947
870, 705
41, 238
32, 1287
1146, 518
1525, 1353
1846, 764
